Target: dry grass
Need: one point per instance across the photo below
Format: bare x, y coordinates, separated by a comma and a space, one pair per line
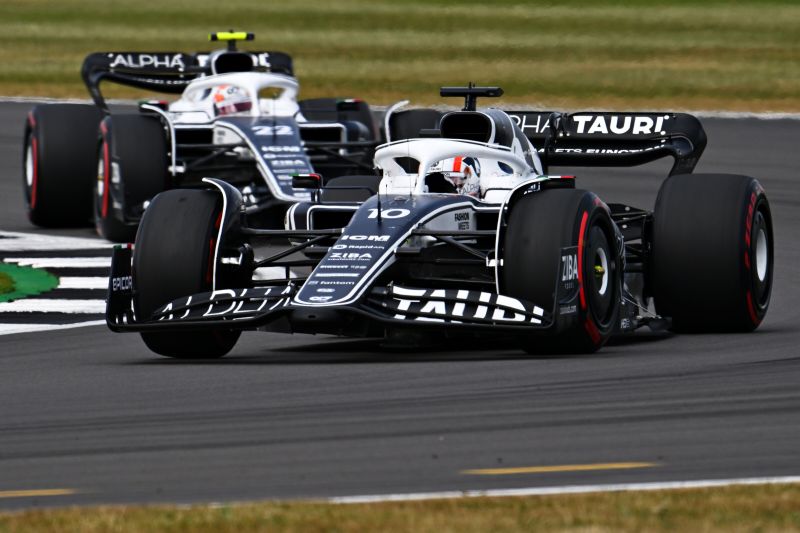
614, 54
6, 283
730, 509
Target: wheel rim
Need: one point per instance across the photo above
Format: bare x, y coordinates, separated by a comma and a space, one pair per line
599, 272
761, 254
100, 188
29, 169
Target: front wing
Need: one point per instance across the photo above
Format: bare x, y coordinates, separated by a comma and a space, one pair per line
262, 307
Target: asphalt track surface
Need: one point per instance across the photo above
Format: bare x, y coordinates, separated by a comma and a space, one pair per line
307, 417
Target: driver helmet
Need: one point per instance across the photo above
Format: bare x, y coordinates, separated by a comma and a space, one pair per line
463, 172
230, 99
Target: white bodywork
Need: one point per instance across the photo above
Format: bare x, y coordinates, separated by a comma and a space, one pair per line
495, 182
196, 105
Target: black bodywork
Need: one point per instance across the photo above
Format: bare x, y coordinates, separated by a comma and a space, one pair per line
427, 261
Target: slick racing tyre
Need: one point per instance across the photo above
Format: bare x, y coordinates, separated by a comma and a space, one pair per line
174, 257
350, 188
59, 162
540, 226
131, 169
712, 257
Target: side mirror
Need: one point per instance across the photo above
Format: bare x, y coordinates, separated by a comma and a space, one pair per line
308, 181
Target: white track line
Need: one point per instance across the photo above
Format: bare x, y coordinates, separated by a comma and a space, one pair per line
16, 242
10, 329
569, 489
61, 262
42, 305
96, 282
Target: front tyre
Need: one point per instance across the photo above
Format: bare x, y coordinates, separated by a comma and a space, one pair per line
712, 259
547, 229
174, 256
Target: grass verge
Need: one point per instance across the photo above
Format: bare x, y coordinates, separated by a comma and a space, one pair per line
633, 54
730, 509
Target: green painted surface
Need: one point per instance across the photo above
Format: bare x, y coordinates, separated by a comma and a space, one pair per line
6, 283
22, 282
567, 54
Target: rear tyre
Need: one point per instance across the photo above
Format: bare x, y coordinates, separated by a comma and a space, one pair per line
59, 162
712, 259
174, 257
540, 225
131, 169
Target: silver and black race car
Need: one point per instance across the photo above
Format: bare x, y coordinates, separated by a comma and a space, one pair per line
238, 119
525, 254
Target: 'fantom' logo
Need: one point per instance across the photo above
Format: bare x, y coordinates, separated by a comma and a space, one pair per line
148, 60
620, 125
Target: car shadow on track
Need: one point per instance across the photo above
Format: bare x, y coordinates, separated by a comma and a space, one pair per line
376, 351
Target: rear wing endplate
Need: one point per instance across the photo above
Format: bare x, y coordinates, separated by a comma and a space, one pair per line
589, 138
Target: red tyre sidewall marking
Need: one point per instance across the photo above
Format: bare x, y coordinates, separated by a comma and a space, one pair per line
751, 310
588, 325
35, 183
212, 244
106, 172
591, 329
581, 242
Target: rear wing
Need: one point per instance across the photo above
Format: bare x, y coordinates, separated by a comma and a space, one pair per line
171, 72
590, 138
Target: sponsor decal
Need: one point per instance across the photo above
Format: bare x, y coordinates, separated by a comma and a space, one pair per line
263, 60
147, 60
326, 290
379, 238
288, 163
457, 306
350, 256
292, 149
620, 125
122, 283
340, 267
606, 151
320, 299
228, 303
335, 282
351, 246
526, 122
568, 309
569, 267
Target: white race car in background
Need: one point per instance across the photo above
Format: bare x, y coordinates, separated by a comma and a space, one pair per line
238, 118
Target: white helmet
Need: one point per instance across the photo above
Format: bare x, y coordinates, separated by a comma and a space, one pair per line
230, 99
462, 172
